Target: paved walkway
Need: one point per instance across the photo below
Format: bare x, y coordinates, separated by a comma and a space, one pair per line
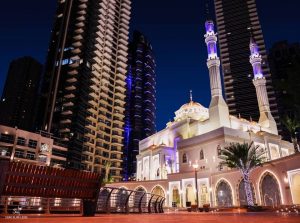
168, 218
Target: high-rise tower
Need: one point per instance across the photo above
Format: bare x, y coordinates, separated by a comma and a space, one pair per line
84, 84
265, 119
140, 101
236, 19
20, 94
218, 109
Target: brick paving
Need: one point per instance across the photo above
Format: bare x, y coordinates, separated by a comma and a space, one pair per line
167, 218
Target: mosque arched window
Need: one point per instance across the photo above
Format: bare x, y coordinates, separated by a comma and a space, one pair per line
184, 158
219, 150
201, 154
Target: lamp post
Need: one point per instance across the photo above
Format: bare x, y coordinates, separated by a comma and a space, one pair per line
195, 166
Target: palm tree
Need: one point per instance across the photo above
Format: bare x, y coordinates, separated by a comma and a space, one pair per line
107, 178
244, 157
292, 124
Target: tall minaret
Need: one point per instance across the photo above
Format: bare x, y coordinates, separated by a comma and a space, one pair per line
266, 119
218, 109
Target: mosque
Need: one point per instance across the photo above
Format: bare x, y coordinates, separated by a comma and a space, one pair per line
181, 162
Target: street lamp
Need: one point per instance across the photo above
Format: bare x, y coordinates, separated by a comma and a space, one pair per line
195, 166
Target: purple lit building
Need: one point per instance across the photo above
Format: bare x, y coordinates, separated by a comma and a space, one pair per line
140, 100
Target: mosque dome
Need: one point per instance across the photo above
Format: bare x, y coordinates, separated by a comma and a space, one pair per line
193, 110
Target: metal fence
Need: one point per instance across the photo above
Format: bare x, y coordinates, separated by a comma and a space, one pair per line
120, 200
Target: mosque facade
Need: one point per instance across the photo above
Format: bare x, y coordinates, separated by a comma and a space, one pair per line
197, 135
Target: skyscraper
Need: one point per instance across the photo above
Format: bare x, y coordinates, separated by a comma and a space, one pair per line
20, 94
84, 83
140, 110
236, 20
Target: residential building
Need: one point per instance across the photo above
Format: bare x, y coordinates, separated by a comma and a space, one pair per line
237, 20
84, 83
39, 148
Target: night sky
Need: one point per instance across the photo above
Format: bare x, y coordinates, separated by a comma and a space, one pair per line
174, 27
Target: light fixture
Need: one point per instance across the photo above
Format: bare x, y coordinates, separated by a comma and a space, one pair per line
195, 165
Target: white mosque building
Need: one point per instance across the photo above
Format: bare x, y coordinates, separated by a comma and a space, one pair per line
196, 136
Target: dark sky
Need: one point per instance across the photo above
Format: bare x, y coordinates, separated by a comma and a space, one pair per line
174, 27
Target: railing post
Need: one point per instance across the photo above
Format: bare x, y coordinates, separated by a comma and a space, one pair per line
155, 204
126, 203
47, 211
149, 204
140, 202
81, 207
108, 200
161, 204
5, 205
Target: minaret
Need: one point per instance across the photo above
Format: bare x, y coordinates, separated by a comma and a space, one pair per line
266, 119
218, 109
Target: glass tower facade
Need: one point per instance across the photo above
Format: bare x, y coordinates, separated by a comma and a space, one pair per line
140, 112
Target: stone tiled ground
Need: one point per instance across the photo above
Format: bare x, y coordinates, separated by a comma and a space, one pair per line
167, 218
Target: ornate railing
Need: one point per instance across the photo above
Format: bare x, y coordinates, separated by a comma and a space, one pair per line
120, 200
110, 200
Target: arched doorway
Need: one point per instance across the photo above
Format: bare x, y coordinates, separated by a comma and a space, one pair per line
223, 194
121, 197
190, 194
175, 196
270, 192
140, 196
242, 193
295, 187
158, 191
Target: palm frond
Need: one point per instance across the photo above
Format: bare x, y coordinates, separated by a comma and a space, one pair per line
242, 156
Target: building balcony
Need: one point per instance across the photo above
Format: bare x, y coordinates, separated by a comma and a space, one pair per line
64, 130
70, 88
122, 58
73, 72
94, 87
81, 12
93, 95
79, 24
69, 96
91, 118
121, 89
82, 6
77, 44
93, 103
79, 31
65, 121
121, 82
92, 110
68, 104
72, 80
81, 18
76, 51
122, 64
67, 112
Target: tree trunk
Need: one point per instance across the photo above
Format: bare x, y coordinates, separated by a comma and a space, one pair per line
248, 189
295, 143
